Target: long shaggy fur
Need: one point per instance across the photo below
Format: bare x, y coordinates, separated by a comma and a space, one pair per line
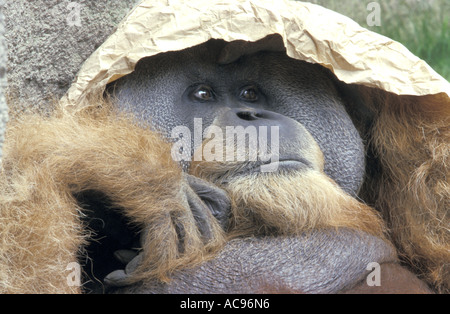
410, 138
48, 160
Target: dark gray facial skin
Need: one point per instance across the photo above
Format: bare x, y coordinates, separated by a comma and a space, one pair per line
266, 88
172, 89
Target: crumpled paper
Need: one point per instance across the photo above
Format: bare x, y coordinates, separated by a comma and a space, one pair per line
309, 32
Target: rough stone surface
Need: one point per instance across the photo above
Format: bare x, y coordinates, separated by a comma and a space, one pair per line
48, 40
3, 105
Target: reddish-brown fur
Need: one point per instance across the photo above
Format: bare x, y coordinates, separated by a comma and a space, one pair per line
411, 139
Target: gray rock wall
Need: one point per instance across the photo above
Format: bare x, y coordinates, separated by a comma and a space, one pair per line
48, 40
3, 106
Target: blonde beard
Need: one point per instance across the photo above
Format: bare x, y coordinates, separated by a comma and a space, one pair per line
288, 202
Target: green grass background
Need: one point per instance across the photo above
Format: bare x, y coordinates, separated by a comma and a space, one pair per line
423, 26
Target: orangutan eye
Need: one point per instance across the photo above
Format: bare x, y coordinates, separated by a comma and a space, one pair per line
203, 93
249, 93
